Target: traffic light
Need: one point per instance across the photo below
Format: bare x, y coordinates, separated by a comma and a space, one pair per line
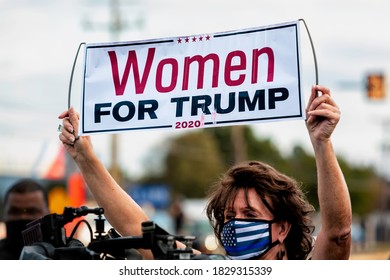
375, 85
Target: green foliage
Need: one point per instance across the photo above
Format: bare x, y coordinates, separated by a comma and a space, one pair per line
193, 164
366, 188
302, 167
196, 159
256, 149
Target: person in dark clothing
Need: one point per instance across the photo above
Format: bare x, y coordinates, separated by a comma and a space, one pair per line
25, 201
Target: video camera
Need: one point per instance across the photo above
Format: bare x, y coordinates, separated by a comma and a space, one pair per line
46, 238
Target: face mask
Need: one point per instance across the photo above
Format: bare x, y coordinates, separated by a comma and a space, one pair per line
247, 238
14, 233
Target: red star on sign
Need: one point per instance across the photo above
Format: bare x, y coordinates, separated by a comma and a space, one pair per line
187, 40
179, 41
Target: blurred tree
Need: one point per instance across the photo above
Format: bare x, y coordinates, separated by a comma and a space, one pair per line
365, 187
195, 160
222, 136
192, 164
256, 149
302, 166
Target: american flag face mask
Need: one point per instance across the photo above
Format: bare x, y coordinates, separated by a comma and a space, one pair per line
246, 238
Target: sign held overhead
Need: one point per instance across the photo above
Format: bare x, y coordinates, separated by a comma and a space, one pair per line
228, 78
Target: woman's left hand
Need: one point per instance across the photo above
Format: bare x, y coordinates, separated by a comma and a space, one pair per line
322, 114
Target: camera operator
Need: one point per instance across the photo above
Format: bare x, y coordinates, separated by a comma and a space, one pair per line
251, 196
25, 201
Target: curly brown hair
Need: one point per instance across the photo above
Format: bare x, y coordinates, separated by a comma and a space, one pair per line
287, 202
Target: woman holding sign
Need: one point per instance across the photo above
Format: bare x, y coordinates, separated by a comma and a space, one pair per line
251, 197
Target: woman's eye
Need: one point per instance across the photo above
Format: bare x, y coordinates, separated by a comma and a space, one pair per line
229, 216
250, 215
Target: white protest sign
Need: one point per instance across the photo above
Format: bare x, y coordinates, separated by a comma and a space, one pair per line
227, 78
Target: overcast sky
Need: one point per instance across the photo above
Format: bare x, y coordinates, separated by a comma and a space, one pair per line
39, 39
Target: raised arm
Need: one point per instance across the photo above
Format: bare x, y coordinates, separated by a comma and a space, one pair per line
122, 212
334, 238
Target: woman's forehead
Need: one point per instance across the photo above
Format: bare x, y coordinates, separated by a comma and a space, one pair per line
247, 198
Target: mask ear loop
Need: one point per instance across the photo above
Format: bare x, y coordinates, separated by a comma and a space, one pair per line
313, 50
71, 74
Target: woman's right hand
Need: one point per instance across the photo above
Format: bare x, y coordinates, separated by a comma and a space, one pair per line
74, 144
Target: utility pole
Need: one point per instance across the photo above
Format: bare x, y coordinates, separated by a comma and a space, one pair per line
385, 150
115, 26
239, 143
